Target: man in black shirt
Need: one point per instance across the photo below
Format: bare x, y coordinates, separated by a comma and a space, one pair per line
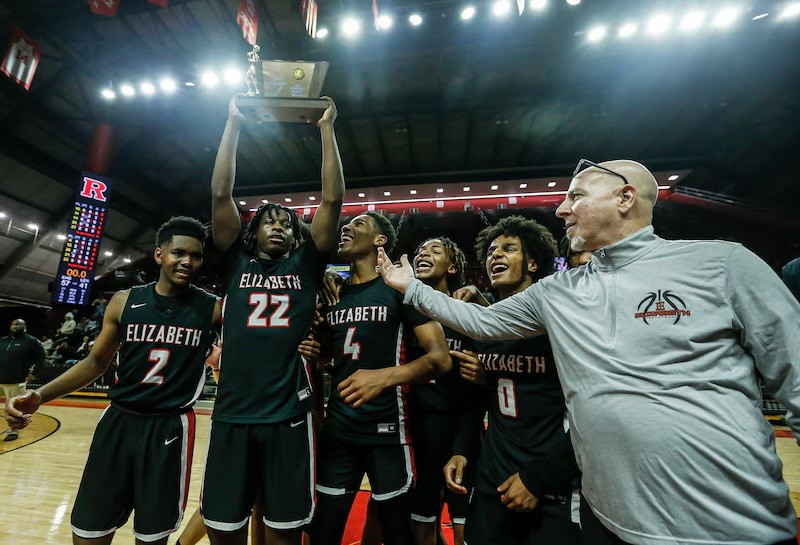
20, 356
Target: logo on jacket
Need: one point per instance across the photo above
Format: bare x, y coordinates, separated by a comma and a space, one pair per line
662, 305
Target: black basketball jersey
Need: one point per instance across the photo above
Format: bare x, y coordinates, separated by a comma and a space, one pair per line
444, 393
526, 407
267, 311
164, 345
368, 330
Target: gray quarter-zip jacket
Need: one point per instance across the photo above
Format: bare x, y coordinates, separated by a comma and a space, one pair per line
657, 345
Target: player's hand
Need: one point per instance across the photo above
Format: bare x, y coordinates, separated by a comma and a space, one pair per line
212, 360
471, 294
234, 114
470, 368
362, 386
331, 285
30, 377
516, 496
395, 277
310, 349
330, 113
319, 319
454, 474
20, 409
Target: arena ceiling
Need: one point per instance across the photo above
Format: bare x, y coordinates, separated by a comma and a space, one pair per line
446, 102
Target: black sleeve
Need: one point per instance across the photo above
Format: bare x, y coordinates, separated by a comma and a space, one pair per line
36, 355
554, 472
467, 442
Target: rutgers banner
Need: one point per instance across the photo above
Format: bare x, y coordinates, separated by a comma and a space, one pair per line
21, 58
104, 7
309, 11
247, 17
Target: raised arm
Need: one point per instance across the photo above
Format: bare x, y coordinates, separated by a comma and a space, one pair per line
325, 225
19, 409
366, 384
225, 220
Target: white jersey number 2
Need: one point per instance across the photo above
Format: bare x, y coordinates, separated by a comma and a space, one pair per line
159, 356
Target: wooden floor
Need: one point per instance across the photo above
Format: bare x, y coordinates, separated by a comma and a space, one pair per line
40, 480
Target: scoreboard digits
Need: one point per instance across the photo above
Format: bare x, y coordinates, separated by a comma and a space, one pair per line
73, 282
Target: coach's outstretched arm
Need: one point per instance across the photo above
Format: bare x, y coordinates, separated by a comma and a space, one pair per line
325, 225
225, 220
20, 409
513, 318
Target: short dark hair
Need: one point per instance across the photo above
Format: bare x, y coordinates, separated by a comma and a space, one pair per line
456, 256
180, 225
537, 241
250, 234
385, 228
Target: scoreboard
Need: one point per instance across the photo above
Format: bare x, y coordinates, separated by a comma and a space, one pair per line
73, 282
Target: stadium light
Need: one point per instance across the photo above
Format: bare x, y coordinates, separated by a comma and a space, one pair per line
692, 20
468, 13
791, 10
760, 16
233, 77
494, 187
658, 25
387, 193
127, 260
322, 33
209, 78
108, 94
538, 4
673, 177
147, 88
108, 253
127, 90
61, 236
243, 203
627, 30
415, 19
725, 18
573, 2
168, 85
385, 22
596, 34
501, 8
413, 192
351, 27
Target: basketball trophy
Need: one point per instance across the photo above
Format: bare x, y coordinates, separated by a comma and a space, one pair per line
283, 91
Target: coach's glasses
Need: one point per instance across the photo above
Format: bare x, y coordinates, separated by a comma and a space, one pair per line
583, 164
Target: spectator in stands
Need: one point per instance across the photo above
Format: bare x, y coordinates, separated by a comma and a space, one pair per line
69, 324
99, 306
47, 344
20, 357
791, 277
86, 345
64, 354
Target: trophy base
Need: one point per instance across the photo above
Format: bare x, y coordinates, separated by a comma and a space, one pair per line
281, 109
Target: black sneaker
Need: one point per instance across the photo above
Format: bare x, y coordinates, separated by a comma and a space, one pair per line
12, 436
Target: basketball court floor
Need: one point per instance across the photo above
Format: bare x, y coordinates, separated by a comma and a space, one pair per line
40, 473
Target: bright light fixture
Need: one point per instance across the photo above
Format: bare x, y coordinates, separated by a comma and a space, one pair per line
573, 2
413, 192
673, 177
287, 199
361, 195
760, 16
415, 19
658, 25
147, 88
108, 253
2, 214
387, 193
233, 77
209, 79
321, 33
127, 260
494, 188
523, 186
168, 85
538, 4
551, 184
190, 84
501, 8
243, 203
468, 13
312, 198
264, 201
384, 22
127, 90
726, 17
792, 10
108, 94
351, 27
33, 226
596, 34
61, 236
627, 30
466, 188
440, 190
692, 20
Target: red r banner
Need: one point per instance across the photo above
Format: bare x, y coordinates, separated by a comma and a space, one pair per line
21, 58
107, 8
247, 18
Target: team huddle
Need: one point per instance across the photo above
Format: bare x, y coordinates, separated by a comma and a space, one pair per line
417, 363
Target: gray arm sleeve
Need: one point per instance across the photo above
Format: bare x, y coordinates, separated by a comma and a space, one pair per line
768, 316
512, 318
